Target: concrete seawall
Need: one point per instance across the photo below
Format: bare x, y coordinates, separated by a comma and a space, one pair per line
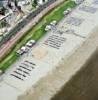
84, 85
73, 79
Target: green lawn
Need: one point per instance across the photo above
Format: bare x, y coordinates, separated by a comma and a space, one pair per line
36, 32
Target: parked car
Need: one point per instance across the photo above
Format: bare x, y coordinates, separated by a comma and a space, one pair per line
22, 50
30, 43
48, 27
54, 22
67, 11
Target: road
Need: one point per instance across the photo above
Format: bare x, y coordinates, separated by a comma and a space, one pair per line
6, 47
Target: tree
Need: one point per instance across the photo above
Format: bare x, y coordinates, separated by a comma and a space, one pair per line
34, 3
43, 0
2, 10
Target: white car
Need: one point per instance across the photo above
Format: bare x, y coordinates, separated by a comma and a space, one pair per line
67, 11
53, 23
30, 43
78, 1
22, 50
48, 27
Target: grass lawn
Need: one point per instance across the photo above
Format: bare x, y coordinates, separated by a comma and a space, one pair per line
36, 32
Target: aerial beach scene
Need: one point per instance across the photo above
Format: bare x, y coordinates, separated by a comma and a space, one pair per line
48, 49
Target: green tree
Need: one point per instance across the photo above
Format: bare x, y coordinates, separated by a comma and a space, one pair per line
34, 3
